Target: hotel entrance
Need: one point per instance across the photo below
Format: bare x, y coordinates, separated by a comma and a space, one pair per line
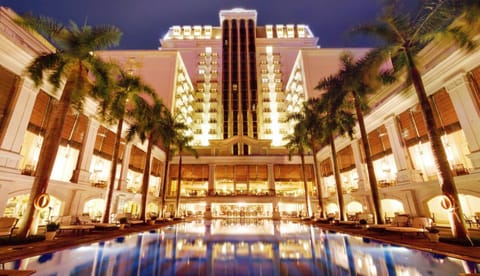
241, 210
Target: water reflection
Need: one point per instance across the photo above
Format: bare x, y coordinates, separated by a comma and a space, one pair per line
239, 247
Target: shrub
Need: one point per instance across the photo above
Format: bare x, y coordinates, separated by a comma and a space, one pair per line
52, 226
433, 230
123, 220
362, 222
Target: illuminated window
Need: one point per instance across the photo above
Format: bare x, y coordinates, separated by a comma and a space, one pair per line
269, 30
187, 31
279, 29
176, 30
290, 31
197, 31
269, 50
208, 31
301, 30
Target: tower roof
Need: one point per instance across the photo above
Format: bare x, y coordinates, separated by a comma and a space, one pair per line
238, 13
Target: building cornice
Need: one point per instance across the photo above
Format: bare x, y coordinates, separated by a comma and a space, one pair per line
29, 41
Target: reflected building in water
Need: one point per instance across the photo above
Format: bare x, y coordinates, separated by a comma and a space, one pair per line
238, 247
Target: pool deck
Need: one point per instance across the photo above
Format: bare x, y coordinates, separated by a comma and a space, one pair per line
68, 239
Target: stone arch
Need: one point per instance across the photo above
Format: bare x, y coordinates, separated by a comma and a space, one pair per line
392, 206
152, 207
131, 207
17, 203
470, 205
94, 207
332, 208
354, 207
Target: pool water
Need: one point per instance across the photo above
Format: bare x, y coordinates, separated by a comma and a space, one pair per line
241, 247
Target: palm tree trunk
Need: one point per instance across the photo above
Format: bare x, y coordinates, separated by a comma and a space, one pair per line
48, 153
336, 173
445, 177
179, 180
113, 171
163, 187
305, 187
372, 179
317, 178
146, 179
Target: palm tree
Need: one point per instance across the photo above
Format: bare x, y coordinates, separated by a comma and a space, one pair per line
356, 80
171, 127
335, 118
74, 62
147, 125
466, 23
309, 117
404, 36
115, 108
298, 142
181, 142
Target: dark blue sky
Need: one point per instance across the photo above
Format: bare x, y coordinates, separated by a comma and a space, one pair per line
143, 22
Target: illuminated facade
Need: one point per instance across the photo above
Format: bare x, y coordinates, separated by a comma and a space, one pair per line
233, 85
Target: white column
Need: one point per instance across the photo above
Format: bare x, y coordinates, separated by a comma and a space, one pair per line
406, 174
357, 157
81, 174
468, 115
124, 171
17, 126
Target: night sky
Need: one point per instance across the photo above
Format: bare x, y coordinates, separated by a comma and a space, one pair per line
143, 22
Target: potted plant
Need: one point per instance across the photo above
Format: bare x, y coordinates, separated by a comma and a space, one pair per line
123, 221
153, 218
433, 234
52, 228
363, 223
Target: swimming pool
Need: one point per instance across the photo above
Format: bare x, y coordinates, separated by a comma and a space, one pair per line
240, 247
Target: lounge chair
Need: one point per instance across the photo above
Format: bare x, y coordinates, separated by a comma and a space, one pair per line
329, 219
85, 220
473, 220
130, 221
419, 225
67, 223
133, 221
355, 219
7, 224
400, 220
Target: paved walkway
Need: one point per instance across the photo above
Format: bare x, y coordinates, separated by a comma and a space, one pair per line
66, 240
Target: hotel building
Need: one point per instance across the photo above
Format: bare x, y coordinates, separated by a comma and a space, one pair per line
234, 85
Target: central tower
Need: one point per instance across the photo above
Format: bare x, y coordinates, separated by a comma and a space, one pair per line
239, 80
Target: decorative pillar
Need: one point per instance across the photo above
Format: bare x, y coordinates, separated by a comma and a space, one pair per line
357, 157
81, 174
468, 115
17, 125
211, 179
210, 192
271, 179
122, 182
271, 191
406, 174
